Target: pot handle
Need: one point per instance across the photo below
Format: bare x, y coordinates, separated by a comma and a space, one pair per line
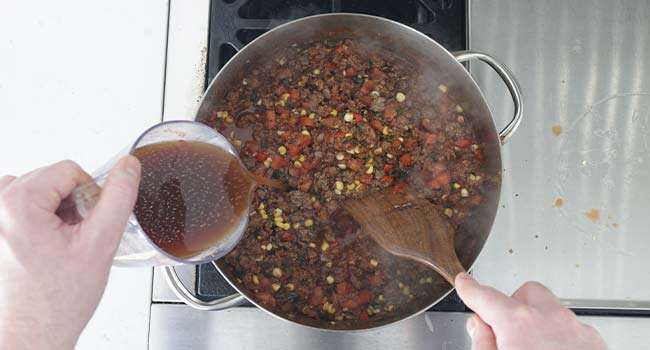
508, 79
188, 298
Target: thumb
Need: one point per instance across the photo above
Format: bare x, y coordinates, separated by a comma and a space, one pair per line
482, 336
108, 219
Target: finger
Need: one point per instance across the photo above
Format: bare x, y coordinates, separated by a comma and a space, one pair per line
537, 295
481, 334
6, 180
109, 217
53, 183
491, 305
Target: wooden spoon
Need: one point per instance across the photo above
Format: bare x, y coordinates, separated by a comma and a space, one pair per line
408, 226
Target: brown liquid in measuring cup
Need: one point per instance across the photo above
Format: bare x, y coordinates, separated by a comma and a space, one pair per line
192, 195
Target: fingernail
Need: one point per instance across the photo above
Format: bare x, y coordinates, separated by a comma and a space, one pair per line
132, 166
471, 326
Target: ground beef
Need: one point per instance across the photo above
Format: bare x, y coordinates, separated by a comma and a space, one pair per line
336, 121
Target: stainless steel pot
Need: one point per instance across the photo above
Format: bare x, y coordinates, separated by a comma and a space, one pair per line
436, 66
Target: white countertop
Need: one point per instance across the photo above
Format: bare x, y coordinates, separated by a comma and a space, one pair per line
80, 80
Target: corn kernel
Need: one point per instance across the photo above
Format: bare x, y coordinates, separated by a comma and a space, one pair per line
464, 193
385, 130
297, 164
317, 71
269, 247
302, 158
312, 115
429, 280
456, 186
342, 166
334, 112
349, 134
374, 262
312, 245
305, 132
277, 272
324, 246
290, 286
400, 97
256, 280
350, 187
370, 170
390, 156
263, 214
348, 117
267, 162
449, 212
222, 114
461, 119
330, 279
442, 88
459, 109
378, 150
406, 290
285, 97
303, 112
381, 298
277, 212
339, 192
296, 225
328, 264
275, 287
309, 223
331, 309
339, 185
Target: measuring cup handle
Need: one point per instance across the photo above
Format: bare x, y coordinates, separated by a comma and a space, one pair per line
75, 207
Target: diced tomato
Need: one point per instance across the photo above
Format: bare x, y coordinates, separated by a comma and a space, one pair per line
306, 185
306, 121
330, 65
475, 200
390, 112
388, 168
364, 297
265, 282
294, 150
377, 125
287, 237
341, 49
344, 288
377, 74
336, 97
339, 134
398, 187
358, 117
286, 135
266, 298
369, 85
284, 114
388, 179
270, 119
316, 297
430, 139
396, 143
310, 164
278, 162
305, 140
261, 156
405, 159
478, 154
443, 178
350, 72
354, 164
365, 179
409, 143
376, 280
363, 316
350, 304
334, 244
294, 94
463, 143
366, 99
317, 205
294, 172
293, 120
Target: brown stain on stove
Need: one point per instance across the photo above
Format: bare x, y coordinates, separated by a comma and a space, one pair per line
557, 130
593, 214
559, 202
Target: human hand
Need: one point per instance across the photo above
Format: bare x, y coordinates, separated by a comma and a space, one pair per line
532, 319
52, 274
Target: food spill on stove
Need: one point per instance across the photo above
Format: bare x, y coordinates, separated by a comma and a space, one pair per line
336, 120
510, 251
559, 202
614, 225
557, 130
593, 214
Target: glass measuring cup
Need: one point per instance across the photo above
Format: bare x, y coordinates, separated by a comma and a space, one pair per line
136, 248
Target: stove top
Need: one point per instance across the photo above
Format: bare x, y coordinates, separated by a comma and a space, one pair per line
235, 23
